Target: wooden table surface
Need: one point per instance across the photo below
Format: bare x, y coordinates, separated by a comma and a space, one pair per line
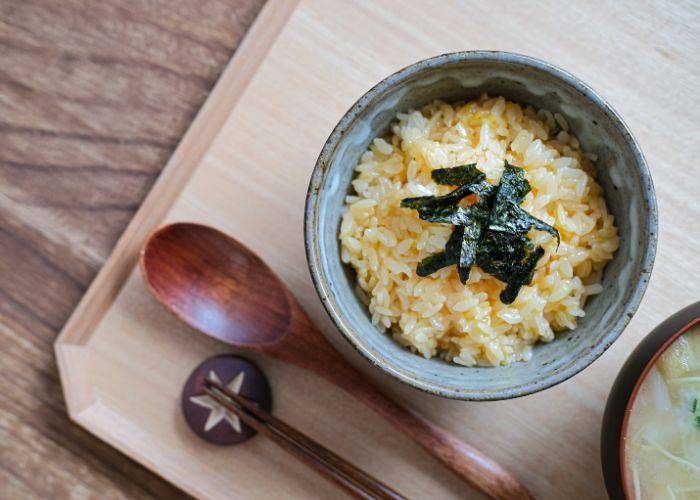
94, 97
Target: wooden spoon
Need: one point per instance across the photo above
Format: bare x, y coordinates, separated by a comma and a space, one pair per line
218, 286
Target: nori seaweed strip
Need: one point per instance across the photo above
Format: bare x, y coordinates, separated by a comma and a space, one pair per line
467, 255
453, 246
509, 218
509, 257
414, 202
448, 257
432, 264
461, 248
539, 224
471, 220
456, 176
522, 278
454, 214
450, 198
435, 209
500, 254
440, 215
472, 214
506, 213
484, 191
513, 186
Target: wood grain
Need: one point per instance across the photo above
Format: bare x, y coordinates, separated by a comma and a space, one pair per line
254, 175
94, 97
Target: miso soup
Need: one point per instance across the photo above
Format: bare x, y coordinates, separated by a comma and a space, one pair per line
662, 444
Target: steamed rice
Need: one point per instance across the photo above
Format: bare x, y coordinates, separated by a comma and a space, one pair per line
438, 315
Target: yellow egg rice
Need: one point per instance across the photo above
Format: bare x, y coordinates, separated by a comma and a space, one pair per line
438, 315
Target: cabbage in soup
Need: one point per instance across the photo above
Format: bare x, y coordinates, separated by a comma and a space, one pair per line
662, 446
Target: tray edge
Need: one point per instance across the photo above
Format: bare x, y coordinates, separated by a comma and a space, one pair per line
71, 344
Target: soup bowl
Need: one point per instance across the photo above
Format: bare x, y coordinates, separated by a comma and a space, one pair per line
621, 170
624, 391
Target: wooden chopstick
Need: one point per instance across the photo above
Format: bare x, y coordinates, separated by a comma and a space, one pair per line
333, 467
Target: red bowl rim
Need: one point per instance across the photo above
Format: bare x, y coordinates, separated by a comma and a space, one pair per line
633, 396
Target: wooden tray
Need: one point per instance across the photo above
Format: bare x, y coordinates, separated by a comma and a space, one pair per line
244, 166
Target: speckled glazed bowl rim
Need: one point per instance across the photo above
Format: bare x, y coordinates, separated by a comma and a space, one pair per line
319, 275
633, 396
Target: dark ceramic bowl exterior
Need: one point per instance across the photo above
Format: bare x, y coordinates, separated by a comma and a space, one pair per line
622, 171
625, 388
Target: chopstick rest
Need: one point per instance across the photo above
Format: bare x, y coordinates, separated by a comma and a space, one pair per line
207, 418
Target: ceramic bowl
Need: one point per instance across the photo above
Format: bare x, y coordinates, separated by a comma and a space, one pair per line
624, 391
622, 171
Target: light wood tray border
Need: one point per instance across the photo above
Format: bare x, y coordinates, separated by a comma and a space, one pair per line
71, 344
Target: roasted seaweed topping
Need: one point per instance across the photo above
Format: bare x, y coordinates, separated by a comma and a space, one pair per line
440, 214
471, 234
484, 191
491, 232
468, 179
509, 257
454, 214
506, 214
462, 245
457, 176
448, 257
473, 220
450, 198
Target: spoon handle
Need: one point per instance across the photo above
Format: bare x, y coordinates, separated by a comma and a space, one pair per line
306, 347
474, 467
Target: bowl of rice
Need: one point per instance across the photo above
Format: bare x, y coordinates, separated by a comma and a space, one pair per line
449, 320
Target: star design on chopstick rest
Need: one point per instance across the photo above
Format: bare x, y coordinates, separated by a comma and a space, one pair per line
217, 413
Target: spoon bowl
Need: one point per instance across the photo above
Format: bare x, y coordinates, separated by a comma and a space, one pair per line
216, 285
